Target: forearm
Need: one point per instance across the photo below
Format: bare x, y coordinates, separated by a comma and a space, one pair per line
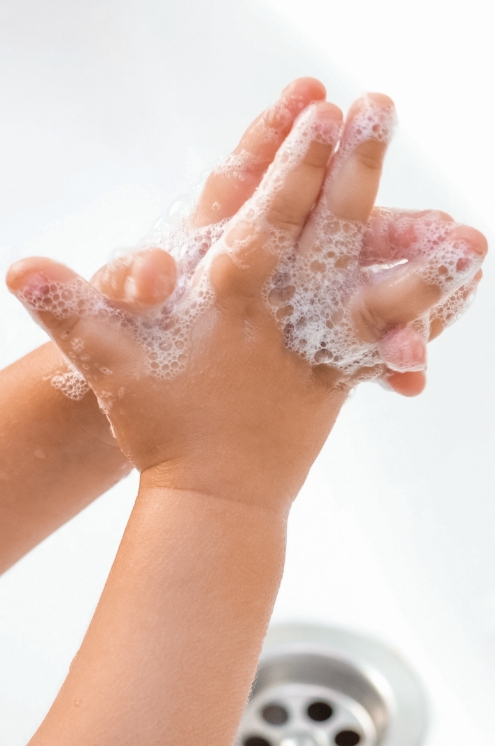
56, 454
172, 649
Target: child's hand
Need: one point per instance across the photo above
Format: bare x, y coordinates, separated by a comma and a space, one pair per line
424, 239
192, 361
227, 188
202, 392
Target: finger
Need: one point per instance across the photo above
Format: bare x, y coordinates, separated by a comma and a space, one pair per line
354, 175
450, 254
448, 311
147, 277
455, 261
392, 235
401, 298
234, 181
77, 317
54, 294
407, 384
412, 383
352, 182
408, 291
270, 222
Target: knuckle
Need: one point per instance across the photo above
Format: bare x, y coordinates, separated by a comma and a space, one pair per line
316, 159
287, 219
369, 155
241, 276
286, 213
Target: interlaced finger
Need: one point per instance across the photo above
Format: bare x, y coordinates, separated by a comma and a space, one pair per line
269, 224
354, 174
442, 258
393, 235
235, 180
351, 183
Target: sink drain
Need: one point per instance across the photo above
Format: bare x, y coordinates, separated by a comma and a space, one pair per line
318, 686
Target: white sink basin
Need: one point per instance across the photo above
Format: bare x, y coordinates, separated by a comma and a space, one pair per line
108, 113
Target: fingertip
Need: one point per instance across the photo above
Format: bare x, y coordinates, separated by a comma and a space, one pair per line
229, 186
328, 110
16, 273
146, 277
374, 101
407, 384
355, 170
477, 241
33, 270
323, 122
381, 99
445, 216
308, 88
295, 102
152, 277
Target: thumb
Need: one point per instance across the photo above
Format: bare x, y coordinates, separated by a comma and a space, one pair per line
79, 319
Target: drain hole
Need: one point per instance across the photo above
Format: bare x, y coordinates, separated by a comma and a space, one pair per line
256, 741
320, 711
274, 714
344, 738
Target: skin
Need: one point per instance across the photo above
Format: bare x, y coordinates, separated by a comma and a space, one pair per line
57, 455
223, 449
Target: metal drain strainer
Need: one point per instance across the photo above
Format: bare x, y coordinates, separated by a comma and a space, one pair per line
318, 686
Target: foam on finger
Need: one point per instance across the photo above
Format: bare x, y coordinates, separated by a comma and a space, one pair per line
309, 292
374, 119
71, 383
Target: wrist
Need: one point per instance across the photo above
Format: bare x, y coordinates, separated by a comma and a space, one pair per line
256, 467
213, 485
253, 483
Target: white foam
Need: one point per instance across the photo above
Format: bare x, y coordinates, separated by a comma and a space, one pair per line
443, 258
71, 384
234, 164
164, 333
372, 121
308, 293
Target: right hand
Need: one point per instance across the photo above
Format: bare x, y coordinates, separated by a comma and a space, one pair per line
247, 416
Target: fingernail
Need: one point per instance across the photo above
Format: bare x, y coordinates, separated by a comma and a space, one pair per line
33, 287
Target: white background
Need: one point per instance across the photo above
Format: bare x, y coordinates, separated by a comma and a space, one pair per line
108, 111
